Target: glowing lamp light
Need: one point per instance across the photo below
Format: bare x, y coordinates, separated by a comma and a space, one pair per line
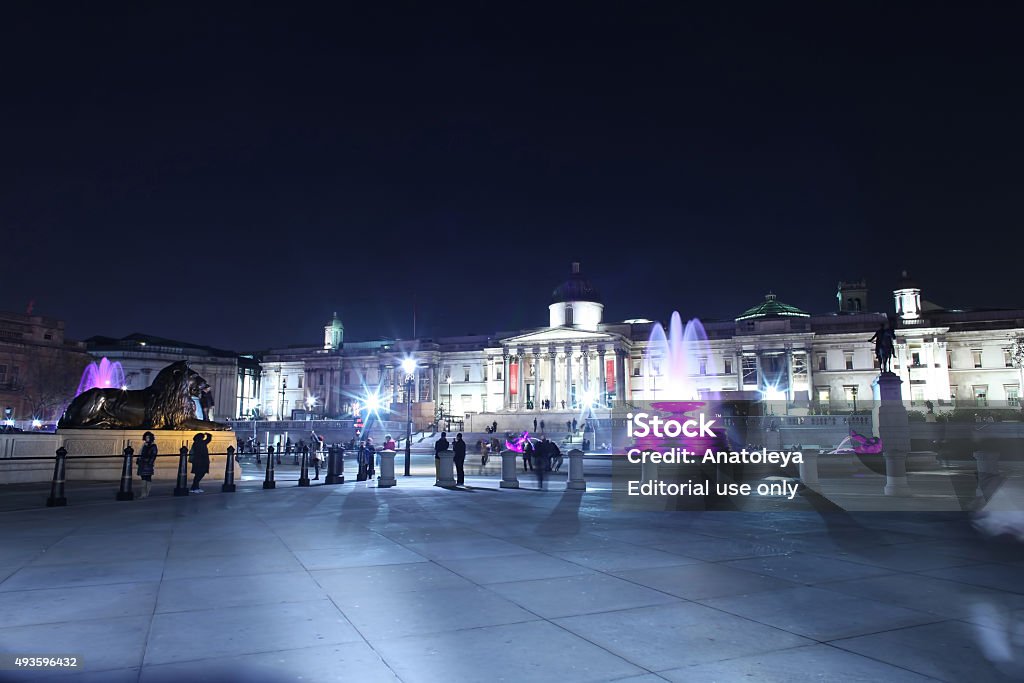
37, 423
124, 387
409, 365
773, 394
372, 403
310, 401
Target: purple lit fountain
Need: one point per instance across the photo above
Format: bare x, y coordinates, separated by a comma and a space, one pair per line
102, 375
672, 362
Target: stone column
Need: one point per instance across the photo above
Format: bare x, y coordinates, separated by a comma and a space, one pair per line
509, 476
602, 376
536, 378
789, 375
576, 481
811, 398
394, 385
568, 377
506, 388
521, 388
620, 375
387, 470
551, 375
586, 368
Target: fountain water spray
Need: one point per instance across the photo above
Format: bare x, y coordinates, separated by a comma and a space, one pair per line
104, 375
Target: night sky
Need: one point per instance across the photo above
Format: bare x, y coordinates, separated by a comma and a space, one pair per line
231, 175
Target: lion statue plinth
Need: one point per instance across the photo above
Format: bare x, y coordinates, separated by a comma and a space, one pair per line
166, 404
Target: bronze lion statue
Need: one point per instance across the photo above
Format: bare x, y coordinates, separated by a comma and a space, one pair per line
168, 403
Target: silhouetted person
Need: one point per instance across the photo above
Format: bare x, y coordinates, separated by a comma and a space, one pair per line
542, 425
259, 447
460, 459
200, 457
440, 446
528, 456
574, 423
539, 463
147, 463
534, 424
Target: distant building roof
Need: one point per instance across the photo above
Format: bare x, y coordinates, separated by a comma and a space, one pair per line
772, 307
137, 339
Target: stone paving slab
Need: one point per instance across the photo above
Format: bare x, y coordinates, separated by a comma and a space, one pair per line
416, 583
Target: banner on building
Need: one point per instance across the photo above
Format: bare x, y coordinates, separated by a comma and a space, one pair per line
513, 378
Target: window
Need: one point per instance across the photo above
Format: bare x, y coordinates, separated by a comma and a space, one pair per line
1007, 358
568, 316
499, 371
850, 392
915, 359
636, 368
916, 396
703, 365
321, 379
980, 395
47, 336
483, 369
952, 393
465, 373
728, 366
821, 361
300, 381
976, 356
750, 370
949, 359
848, 358
1012, 395
3, 374
800, 366
824, 395
348, 377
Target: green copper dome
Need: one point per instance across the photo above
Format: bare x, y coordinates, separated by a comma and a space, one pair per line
771, 307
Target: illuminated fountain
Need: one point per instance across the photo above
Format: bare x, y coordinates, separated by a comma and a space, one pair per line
676, 357
102, 375
672, 362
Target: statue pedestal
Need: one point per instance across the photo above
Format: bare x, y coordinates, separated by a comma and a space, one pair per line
892, 426
113, 442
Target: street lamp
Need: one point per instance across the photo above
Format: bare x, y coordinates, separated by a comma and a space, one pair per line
853, 390
310, 404
409, 367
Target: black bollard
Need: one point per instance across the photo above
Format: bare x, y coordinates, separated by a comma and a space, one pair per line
125, 492
268, 482
181, 488
229, 472
304, 469
57, 498
335, 466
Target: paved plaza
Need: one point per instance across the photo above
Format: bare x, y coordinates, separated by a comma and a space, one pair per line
417, 583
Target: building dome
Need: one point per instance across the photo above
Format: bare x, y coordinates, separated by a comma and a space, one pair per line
576, 288
576, 303
771, 307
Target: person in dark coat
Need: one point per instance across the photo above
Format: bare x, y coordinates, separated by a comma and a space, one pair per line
147, 462
528, 456
460, 459
440, 446
540, 457
200, 457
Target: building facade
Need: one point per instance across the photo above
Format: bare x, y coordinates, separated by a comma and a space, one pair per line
816, 363
39, 369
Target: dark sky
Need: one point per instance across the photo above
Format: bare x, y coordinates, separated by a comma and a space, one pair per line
232, 174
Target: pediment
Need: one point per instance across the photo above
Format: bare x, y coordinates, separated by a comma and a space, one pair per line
558, 334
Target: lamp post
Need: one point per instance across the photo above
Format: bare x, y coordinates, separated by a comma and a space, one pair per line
409, 366
853, 390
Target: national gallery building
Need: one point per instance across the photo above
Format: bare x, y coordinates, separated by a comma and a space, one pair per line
813, 362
